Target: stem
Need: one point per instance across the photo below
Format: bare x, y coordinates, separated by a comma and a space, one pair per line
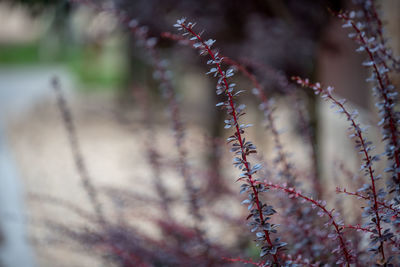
364, 150
370, 171
388, 102
357, 194
338, 228
263, 98
238, 134
77, 155
269, 117
153, 156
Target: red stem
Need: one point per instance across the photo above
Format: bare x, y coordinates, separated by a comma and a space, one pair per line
380, 33
239, 137
368, 162
388, 102
264, 100
356, 194
261, 94
337, 227
364, 229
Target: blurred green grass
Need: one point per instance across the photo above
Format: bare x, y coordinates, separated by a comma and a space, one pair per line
11, 54
95, 67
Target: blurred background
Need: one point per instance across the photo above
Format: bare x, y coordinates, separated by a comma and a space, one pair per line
99, 65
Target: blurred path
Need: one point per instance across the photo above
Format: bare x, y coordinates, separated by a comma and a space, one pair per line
14, 249
20, 88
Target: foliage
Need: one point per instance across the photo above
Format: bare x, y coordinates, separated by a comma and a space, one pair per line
305, 237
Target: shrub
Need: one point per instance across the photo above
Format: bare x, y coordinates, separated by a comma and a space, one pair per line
305, 237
